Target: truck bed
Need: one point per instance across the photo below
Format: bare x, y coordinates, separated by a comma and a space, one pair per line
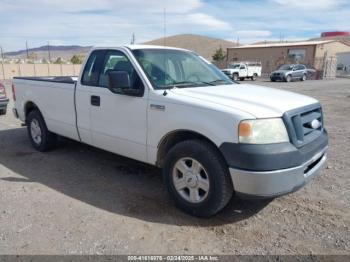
59, 79
55, 96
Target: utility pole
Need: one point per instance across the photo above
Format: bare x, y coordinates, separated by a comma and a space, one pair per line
2, 62
27, 50
48, 50
132, 39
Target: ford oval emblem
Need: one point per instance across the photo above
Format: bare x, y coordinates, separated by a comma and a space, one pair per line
315, 124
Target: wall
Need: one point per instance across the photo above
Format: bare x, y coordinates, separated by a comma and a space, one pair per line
8, 71
270, 57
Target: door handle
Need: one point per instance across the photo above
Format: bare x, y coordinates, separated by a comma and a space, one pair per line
95, 100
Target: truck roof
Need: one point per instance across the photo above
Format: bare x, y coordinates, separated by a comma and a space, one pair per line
136, 47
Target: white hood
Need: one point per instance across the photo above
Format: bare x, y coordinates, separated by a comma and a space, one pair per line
261, 102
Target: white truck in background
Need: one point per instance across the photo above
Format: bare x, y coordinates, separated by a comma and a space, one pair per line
171, 108
243, 70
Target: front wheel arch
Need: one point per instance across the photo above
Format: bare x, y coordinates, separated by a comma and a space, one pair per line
174, 137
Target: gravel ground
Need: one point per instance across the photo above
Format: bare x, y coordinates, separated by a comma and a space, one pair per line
81, 200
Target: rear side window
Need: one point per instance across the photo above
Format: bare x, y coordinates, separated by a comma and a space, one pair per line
92, 68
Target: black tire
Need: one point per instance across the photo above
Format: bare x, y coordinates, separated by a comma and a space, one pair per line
241, 78
254, 77
303, 78
235, 77
3, 111
288, 78
48, 139
220, 184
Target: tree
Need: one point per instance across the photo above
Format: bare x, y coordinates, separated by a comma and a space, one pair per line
33, 56
219, 55
77, 59
58, 61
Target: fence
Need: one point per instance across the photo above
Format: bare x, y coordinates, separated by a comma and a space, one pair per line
8, 71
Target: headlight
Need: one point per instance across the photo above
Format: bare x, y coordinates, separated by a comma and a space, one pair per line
262, 131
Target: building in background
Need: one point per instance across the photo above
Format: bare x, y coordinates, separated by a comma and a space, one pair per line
315, 54
343, 64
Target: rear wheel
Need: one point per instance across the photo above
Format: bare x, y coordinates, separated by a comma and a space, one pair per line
254, 77
303, 78
197, 178
41, 138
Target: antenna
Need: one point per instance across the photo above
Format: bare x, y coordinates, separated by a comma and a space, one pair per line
164, 44
164, 40
132, 39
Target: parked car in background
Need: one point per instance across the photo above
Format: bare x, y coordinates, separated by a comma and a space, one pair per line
243, 70
290, 72
3, 100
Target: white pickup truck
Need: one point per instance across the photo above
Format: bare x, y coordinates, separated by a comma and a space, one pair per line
243, 70
171, 108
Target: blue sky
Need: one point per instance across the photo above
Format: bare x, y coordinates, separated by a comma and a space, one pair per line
112, 22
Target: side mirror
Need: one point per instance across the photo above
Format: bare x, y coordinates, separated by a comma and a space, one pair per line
119, 83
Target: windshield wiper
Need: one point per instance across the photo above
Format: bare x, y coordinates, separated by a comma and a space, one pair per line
183, 84
217, 81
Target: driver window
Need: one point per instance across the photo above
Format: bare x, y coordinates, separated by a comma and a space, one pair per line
117, 61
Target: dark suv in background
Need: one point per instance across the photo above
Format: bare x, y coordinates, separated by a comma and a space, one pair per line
290, 72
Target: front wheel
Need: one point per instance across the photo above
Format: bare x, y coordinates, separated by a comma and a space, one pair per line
288, 78
235, 77
41, 138
197, 178
3, 111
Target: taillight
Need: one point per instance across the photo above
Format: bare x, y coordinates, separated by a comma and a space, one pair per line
13, 92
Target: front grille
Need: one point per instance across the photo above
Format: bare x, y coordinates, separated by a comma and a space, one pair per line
304, 124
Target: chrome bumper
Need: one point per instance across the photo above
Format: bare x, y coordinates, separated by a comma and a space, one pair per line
267, 184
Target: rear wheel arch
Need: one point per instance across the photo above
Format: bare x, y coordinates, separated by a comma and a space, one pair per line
29, 107
175, 137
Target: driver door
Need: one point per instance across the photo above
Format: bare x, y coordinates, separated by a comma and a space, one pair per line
243, 72
118, 121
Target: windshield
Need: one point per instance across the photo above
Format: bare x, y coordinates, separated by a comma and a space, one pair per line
234, 66
286, 67
167, 68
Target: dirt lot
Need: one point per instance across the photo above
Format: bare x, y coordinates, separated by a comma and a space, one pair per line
80, 200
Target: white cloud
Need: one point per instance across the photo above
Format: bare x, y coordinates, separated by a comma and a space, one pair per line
310, 4
209, 22
253, 33
114, 6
